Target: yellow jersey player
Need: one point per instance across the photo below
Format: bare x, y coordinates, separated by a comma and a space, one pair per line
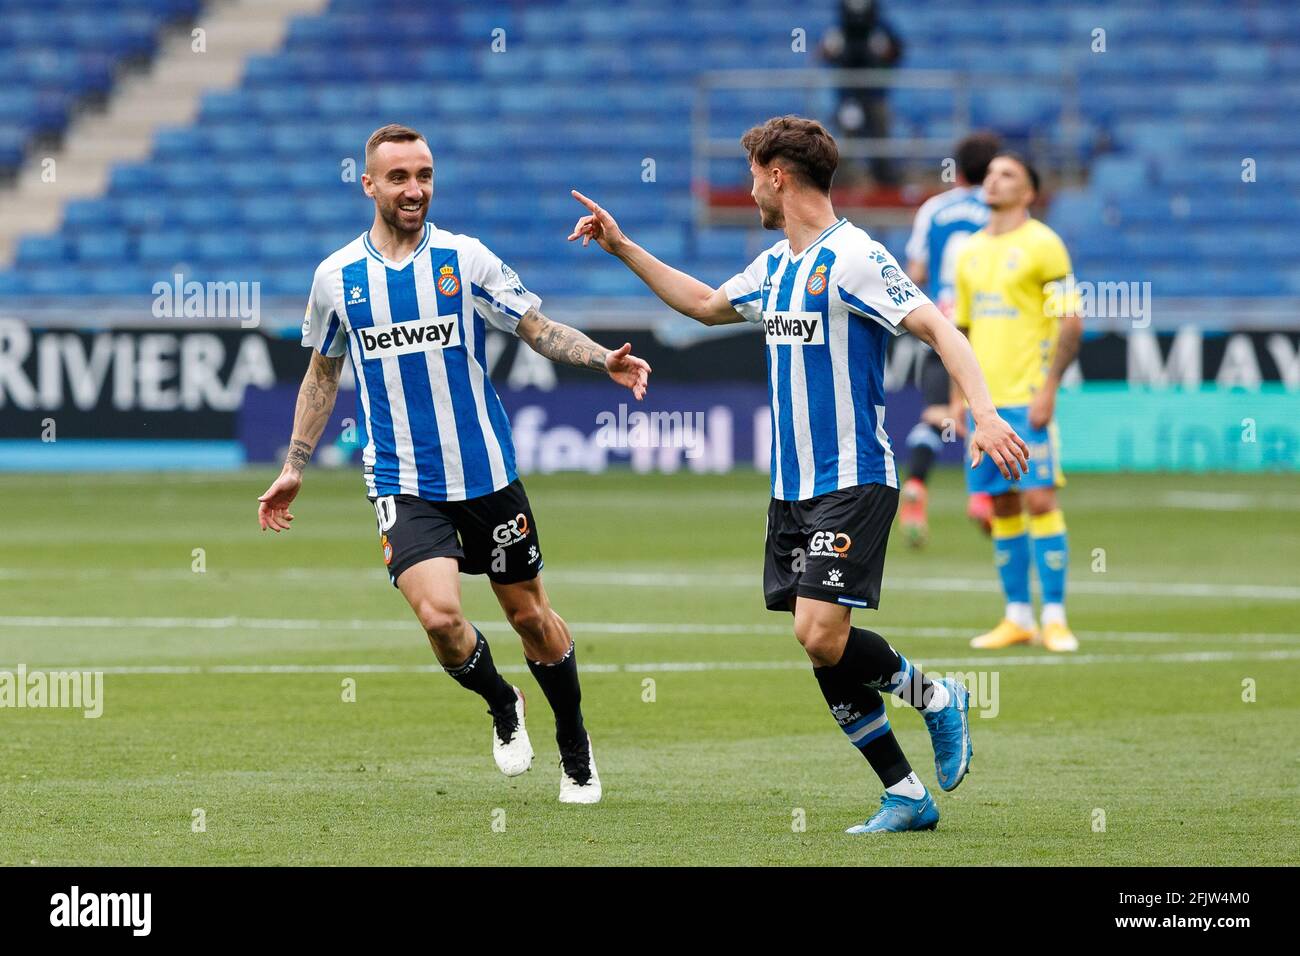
1012, 298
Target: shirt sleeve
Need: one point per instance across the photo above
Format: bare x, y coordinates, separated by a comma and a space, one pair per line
498, 287
745, 289
1057, 276
321, 328
918, 244
873, 286
1054, 260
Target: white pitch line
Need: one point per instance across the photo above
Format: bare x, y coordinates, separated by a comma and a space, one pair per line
312, 624
986, 663
1228, 501
1108, 586
605, 628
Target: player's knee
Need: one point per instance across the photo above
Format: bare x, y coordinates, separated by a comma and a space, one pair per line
441, 623
528, 618
1008, 505
820, 642
1040, 501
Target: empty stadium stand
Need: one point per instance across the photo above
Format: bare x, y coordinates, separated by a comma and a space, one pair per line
522, 101
60, 52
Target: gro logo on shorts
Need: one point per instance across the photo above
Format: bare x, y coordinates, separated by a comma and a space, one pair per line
512, 531
829, 544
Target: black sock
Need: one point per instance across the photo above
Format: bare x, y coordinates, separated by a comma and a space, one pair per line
886, 669
479, 674
559, 682
919, 462
860, 712
923, 454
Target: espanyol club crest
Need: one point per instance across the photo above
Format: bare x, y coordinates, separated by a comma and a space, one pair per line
388, 549
817, 281
448, 284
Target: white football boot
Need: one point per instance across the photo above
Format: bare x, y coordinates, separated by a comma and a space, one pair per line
579, 782
510, 745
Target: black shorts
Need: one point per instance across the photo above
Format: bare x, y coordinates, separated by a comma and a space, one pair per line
934, 380
493, 534
831, 548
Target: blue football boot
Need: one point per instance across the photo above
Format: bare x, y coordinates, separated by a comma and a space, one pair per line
950, 734
897, 814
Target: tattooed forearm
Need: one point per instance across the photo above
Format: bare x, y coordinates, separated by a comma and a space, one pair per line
560, 343
299, 454
316, 398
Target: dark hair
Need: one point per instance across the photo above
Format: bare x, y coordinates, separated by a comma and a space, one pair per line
392, 133
975, 152
808, 150
1030, 171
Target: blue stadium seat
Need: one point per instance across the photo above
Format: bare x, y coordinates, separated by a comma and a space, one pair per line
256, 185
52, 55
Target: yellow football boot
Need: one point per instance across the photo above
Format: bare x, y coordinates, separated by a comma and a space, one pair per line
1057, 637
1005, 634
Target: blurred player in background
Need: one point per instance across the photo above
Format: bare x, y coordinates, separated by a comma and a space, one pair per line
828, 297
943, 224
408, 302
1014, 298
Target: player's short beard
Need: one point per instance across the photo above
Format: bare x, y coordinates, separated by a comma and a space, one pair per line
393, 217
771, 217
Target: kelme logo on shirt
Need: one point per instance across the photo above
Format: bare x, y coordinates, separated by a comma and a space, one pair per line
401, 338
794, 328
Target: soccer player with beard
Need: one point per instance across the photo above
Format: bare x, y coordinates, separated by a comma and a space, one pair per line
408, 303
827, 297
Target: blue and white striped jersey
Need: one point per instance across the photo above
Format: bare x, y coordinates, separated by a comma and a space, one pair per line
415, 331
942, 225
827, 315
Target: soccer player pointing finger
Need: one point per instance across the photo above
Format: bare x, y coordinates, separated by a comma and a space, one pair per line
408, 304
827, 298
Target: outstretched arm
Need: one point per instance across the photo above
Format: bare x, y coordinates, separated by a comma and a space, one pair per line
316, 397
566, 345
679, 291
993, 436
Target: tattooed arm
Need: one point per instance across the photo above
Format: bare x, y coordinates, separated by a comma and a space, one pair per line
568, 346
316, 398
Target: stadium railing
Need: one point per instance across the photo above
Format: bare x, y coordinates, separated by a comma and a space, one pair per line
1057, 138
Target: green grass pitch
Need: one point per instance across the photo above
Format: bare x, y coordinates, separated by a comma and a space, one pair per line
224, 689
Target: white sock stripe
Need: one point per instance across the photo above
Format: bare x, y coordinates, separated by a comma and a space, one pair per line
871, 727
